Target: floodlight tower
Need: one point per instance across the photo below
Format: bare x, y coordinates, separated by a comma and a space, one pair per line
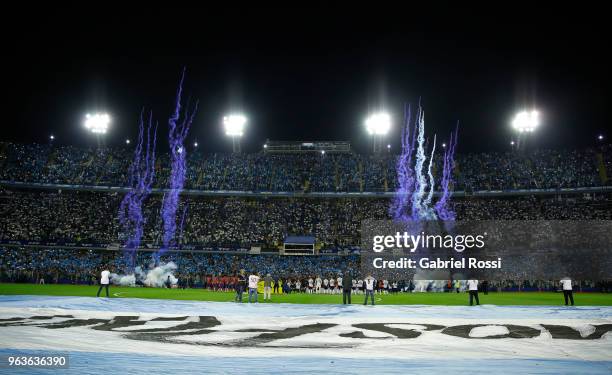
234, 127
525, 122
378, 125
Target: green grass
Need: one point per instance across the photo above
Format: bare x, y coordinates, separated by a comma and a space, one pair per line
458, 299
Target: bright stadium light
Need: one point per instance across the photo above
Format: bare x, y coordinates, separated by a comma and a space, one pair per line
234, 127
265, 145
378, 123
443, 145
127, 141
51, 137
97, 123
195, 144
526, 121
600, 137
322, 152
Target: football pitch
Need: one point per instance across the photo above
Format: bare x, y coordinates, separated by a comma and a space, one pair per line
449, 299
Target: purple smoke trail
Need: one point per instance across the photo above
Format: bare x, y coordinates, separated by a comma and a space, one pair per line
442, 207
410, 202
405, 173
432, 183
418, 211
178, 156
141, 176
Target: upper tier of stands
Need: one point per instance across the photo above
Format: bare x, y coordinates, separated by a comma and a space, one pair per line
350, 172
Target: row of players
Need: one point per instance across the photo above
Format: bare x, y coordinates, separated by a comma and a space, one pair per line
330, 285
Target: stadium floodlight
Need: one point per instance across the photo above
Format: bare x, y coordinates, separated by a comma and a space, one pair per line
234, 127
600, 137
265, 145
51, 137
127, 141
443, 145
97, 123
511, 143
322, 152
195, 144
389, 147
378, 123
526, 121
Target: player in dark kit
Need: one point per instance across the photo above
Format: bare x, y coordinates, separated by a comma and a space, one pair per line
240, 286
347, 284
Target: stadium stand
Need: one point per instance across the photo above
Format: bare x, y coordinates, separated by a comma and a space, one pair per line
66, 234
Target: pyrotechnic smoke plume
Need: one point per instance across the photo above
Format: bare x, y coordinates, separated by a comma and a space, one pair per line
177, 133
141, 177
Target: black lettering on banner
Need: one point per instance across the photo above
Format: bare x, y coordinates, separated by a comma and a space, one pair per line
26, 321
165, 334
569, 333
74, 323
120, 322
267, 336
168, 319
514, 331
286, 333
401, 333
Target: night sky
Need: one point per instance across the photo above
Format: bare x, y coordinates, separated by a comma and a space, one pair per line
307, 74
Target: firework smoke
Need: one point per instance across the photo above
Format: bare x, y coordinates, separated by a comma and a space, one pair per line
178, 159
442, 207
405, 173
141, 177
156, 277
410, 202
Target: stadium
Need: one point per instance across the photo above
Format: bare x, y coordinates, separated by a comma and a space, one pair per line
158, 230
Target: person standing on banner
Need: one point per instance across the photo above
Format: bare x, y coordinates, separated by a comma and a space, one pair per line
268, 287
253, 281
347, 284
276, 283
105, 282
370, 283
566, 285
473, 290
240, 286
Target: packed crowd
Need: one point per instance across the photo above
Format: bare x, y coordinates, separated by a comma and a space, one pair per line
84, 266
91, 217
348, 172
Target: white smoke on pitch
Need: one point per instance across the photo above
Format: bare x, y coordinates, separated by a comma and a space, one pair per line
429, 286
123, 280
156, 277
159, 276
